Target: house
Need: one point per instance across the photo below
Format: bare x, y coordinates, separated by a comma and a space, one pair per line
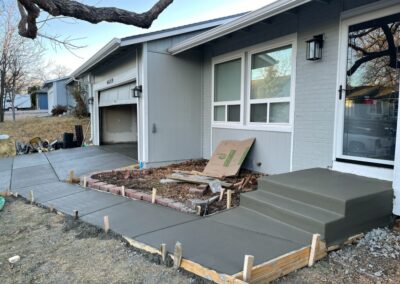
315, 82
126, 110
57, 93
41, 99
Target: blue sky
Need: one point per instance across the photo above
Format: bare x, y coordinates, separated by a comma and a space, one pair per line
95, 36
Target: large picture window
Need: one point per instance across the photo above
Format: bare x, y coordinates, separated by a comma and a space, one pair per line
228, 91
270, 91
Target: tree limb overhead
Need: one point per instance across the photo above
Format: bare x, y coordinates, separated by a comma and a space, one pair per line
30, 10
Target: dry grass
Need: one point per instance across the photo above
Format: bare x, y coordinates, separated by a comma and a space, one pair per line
50, 128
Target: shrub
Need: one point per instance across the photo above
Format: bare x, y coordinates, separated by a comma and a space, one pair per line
58, 110
80, 109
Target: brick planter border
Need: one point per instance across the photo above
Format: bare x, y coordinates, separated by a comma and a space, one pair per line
135, 194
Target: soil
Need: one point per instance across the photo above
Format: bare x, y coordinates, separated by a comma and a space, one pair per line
56, 249
375, 259
146, 180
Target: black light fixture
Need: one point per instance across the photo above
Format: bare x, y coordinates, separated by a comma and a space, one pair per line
90, 100
137, 91
314, 48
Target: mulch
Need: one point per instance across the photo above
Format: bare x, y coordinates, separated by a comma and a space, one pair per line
147, 179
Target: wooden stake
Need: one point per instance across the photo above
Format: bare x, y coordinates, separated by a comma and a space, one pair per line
153, 196
76, 214
247, 267
163, 250
31, 197
221, 194
123, 190
314, 249
228, 199
177, 255
198, 210
106, 224
71, 176
84, 181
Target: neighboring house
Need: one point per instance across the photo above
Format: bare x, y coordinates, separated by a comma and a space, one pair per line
164, 121
315, 82
21, 102
41, 99
57, 93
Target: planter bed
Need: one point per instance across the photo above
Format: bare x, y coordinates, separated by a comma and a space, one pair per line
181, 196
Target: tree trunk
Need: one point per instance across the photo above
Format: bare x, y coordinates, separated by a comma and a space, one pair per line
2, 94
13, 104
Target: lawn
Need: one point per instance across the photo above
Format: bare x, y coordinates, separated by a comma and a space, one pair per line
50, 128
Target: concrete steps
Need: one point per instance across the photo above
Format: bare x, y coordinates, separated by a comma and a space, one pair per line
293, 212
333, 204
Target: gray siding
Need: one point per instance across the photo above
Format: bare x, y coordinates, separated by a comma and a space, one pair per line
174, 112
270, 152
315, 89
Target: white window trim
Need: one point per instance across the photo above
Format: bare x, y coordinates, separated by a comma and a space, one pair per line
226, 123
286, 41
243, 53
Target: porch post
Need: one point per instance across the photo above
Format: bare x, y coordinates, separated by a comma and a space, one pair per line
396, 172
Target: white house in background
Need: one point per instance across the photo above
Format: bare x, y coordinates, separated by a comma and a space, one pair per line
315, 82
57, 93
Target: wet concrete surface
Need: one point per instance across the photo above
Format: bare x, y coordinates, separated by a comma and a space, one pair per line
49, 191
135, 218
34, 175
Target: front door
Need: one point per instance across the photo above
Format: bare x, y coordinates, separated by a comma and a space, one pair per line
369, 90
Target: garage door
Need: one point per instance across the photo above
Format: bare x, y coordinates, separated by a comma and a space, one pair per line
121, 95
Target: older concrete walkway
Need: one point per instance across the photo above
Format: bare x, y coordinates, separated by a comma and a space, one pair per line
218, 242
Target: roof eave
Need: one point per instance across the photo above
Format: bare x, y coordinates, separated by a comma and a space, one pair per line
251, 18
106, 50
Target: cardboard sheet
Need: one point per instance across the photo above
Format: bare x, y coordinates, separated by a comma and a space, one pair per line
228, 158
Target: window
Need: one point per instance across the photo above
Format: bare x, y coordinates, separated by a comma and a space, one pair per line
270, 86
228, 91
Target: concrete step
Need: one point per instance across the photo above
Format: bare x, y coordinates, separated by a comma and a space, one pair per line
318, 199
296, 213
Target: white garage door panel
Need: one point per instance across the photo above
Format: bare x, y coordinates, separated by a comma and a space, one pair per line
117, 96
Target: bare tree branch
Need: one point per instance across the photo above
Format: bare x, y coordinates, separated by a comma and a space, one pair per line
30, 10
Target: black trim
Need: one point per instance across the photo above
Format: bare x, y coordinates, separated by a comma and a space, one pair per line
369, 164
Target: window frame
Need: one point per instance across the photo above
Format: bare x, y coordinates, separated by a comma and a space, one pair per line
240, 102
279, 126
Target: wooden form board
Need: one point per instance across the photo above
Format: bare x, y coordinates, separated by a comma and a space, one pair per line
262, 273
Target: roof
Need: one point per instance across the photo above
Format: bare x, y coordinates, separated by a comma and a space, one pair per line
116, 43
48, 82
246, 20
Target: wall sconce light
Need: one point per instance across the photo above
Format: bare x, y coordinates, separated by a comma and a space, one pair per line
314, 48
137, 91
90, 100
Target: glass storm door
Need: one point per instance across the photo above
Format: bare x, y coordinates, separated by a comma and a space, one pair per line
371, 90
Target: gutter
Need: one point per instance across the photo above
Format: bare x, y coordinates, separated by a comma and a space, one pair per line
249, 19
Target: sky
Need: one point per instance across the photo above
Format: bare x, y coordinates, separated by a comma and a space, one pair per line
93, 37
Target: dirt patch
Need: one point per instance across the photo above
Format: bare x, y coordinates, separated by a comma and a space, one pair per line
55, 249
145, 180
24, 129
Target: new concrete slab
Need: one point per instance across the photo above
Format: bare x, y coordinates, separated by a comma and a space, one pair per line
5, 179
135, 218
252, 221
85, 202
24, 161
63, 155
6, 164
49, 191
24, 177
220, 246
86, 165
